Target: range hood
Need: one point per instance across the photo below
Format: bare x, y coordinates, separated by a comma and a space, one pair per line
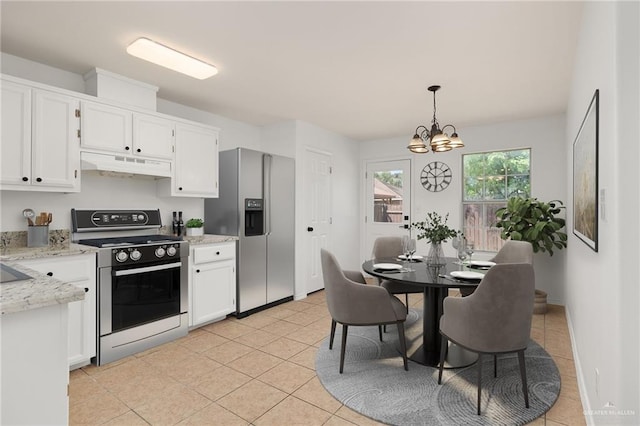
125, 165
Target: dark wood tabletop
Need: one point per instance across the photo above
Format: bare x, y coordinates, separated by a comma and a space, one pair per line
436, 282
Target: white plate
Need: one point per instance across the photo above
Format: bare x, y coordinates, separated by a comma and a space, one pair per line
482, 263
415, 256
389, 266
467, 275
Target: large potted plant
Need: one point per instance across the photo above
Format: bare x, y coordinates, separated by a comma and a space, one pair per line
528, 219
435, 230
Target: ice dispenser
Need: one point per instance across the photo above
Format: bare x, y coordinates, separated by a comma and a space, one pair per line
253, 217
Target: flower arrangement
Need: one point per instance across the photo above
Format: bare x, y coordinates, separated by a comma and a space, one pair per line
434, 229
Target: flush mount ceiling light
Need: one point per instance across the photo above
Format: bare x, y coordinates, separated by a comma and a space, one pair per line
167, 57
436, 138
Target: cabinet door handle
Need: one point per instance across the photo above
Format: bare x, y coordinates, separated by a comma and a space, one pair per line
138, 150
126, 148
180, 189
217, 253
38, 179
198, 270
309, 229
50, 274
25, 179
86, 289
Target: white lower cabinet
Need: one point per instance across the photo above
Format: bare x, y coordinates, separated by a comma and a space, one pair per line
212, 282
81, 271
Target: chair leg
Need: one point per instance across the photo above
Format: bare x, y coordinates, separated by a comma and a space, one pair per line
333, 333
344, 344
479, 380
523, 375
406, 301
384, 327
443, 354
495, 365
403, 344
380, 332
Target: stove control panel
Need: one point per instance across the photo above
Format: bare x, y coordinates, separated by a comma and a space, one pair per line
145, 253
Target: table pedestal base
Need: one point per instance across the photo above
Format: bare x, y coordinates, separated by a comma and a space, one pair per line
457, 357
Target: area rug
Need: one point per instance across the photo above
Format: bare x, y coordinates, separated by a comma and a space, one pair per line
375, 384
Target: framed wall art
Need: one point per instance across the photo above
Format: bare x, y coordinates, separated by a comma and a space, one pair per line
585, 177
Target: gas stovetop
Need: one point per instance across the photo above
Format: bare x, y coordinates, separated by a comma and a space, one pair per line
130, 241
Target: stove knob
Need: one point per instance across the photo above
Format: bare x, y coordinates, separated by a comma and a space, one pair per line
171, 251
121, 256
135, 254
160, 252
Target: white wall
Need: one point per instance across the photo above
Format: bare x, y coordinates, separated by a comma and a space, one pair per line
544, 136
602, 288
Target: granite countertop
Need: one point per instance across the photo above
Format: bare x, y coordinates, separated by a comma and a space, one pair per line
210, 239
37, 292
22, 253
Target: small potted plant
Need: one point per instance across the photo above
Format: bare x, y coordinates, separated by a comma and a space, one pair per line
195, 227
436, 232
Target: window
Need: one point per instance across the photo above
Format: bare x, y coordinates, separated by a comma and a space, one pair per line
387, 196
490, 178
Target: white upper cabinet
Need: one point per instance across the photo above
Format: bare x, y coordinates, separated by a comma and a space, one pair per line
40, 146
196, 162
122, 131
106, 128
16, 134
153, 136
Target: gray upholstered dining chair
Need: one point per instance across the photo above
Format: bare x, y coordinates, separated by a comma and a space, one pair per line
514, 252
511, 252
387, 247
352, 302
495, 319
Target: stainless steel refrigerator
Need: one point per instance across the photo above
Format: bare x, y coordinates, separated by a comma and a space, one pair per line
256, 204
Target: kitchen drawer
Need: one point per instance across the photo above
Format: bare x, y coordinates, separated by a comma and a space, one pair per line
68, 269
213, 253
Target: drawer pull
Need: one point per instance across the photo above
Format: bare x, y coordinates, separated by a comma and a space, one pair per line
50, 274
218, 253
86, 289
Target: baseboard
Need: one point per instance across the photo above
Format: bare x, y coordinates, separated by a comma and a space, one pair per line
582, 388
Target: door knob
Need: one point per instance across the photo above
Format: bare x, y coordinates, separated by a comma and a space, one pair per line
309, 229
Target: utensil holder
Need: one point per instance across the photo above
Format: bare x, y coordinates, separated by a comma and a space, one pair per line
38, 236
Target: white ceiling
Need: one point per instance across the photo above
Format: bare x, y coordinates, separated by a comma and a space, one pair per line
360, 69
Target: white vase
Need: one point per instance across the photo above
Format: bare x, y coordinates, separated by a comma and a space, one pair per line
195, 232
436, 255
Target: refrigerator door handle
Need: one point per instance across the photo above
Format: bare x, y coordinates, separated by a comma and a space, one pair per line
266, 190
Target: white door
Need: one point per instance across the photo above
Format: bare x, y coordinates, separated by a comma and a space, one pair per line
388, 200
317, 190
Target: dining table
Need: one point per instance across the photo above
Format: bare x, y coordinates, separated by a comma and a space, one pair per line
435, 282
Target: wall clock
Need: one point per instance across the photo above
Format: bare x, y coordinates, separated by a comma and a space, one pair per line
435, 176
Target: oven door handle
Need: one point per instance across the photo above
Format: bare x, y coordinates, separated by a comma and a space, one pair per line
147, 269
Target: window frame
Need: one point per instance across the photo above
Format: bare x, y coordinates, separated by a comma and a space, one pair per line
486, 202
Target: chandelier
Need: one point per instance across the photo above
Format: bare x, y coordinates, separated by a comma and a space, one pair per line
436, 138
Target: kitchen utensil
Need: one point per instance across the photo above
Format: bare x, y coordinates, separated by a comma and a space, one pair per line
49, 218
42, 219
29, 214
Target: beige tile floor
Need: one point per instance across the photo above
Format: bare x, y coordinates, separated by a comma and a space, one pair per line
259, 370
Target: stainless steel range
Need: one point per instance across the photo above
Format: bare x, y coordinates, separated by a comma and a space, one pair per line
142, 280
